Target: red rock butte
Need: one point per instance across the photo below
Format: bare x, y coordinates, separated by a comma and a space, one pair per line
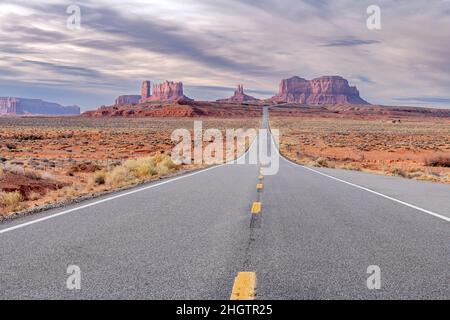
166, 91
323, 90
239, 96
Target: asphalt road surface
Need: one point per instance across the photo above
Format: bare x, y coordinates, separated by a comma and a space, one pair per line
187, 238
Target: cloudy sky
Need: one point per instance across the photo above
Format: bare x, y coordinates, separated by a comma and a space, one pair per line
212, 45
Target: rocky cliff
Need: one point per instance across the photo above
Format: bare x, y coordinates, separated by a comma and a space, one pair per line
323, 90
166, 91
127, 99
239, 96
21, 106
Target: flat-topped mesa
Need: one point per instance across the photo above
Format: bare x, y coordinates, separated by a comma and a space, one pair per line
166, 91
239, 96
127, 99
22, 106
322, 90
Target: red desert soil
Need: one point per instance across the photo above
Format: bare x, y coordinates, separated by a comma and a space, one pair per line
53, 159
374, 112
11, 182
413, 144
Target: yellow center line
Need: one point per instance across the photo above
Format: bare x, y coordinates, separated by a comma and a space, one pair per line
256, 207
259, 186
244, 286
260, 177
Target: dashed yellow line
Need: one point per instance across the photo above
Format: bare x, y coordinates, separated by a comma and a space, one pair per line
260, 177
259, 186
244, 287
256, 207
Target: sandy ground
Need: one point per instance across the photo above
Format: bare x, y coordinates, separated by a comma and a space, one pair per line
53, 159
404, 148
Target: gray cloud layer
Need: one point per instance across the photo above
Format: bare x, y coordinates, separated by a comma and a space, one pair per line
213, 45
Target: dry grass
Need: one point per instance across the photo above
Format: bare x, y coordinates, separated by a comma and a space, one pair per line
11, 200
322, 162
99, 177
32, 196
412, 149
69, 193
117, 176
399, 172
134, 170
32, 174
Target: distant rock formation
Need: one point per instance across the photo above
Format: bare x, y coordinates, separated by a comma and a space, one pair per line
239, 96
323, 90
22, 106
146, 90
166, 91
181, 108
127, 99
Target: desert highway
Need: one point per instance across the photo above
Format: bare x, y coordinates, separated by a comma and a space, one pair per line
188, 237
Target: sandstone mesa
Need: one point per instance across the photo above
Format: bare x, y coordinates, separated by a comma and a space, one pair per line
323, 90
329, 95
166, 91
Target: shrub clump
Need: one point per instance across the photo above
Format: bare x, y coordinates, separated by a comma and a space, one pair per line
11, 200
32, 174
438, 161
398, 172
100, 177
134, 170
322, 162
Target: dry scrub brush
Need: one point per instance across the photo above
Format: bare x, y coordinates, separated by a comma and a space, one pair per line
133, 171
11, 200
438, 161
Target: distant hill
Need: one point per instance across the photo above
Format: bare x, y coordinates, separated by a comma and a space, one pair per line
21, 106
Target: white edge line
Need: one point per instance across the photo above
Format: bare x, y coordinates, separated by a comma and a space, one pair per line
379, 194
437, 215
21, 225
106, 199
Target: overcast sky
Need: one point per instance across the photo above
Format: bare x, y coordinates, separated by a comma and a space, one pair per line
212, 45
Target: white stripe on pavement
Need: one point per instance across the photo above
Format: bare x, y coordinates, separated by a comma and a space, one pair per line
437, 215
124, 194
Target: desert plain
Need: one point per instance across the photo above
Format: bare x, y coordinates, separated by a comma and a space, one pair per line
406, 144
46, 161
51, 161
